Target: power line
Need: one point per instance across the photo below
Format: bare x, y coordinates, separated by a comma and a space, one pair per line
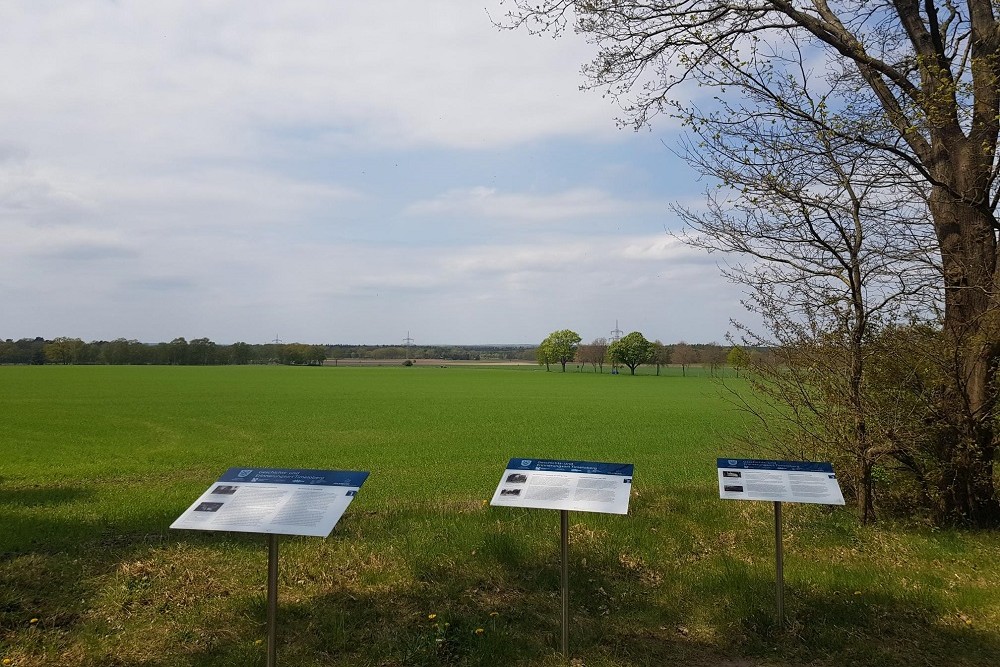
616, 333
407, 340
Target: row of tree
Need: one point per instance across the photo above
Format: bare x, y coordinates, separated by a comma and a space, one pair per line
449, 352
178, 352
633, 350
205, 352
561, 347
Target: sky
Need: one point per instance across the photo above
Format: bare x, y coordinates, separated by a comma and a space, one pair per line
330, 172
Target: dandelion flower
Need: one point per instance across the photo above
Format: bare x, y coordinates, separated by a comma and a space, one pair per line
33, 621
8, 661
480, 631
258, 642
431, 617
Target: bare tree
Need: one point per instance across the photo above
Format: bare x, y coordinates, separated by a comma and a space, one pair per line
600, 352
661, 355
829, 257
684, 355
715, 356
594, 354
925, 76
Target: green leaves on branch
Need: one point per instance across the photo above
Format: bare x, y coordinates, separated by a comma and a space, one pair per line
559, 347
631, 351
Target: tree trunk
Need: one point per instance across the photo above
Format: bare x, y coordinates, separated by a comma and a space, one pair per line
865, 456
968, 257
866, 504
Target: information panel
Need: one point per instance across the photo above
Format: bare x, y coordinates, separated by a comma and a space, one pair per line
565, 485
782, 481
274, 500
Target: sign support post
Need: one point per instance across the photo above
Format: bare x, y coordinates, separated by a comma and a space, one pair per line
564, 526
582, 486
272, 599
272, 502
779, 481
779, 562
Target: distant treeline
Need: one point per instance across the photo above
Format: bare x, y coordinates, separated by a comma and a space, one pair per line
450, 352
204, 352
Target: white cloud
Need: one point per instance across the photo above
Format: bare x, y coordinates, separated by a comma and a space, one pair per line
40, 197
152, 82
484, 202
62, 241
661, 248
367, 270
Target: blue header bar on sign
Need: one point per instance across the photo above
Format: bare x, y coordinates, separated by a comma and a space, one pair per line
762, 464
585, 467
353, 478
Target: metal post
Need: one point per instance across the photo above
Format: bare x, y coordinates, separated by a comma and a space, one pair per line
564, 520
779, 565
272, 598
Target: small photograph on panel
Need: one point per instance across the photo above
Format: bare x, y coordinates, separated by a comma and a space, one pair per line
733, 488
731, 473
225, 490
510, 492
517, 478
209, 507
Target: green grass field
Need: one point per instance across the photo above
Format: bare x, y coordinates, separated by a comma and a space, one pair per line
98, 461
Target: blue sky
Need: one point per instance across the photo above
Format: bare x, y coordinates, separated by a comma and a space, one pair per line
329, 172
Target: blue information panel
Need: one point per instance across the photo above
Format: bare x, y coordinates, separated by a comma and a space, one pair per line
291, 476
583, 486
274, 500
784, 481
